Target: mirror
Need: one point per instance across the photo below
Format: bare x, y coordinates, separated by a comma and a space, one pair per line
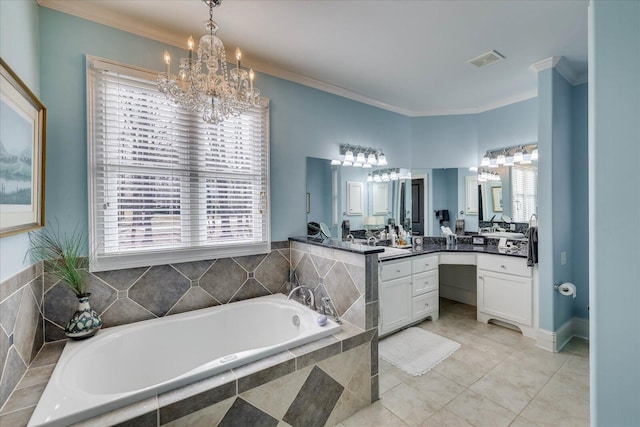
508, 193
337, 193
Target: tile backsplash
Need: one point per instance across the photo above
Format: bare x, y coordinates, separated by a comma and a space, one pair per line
135, 294
21, 326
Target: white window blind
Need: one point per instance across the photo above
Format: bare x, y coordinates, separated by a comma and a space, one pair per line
166, 186
524, 184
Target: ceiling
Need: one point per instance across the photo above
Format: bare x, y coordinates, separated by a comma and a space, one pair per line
405, 56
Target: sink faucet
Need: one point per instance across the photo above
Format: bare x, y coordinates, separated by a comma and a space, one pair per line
371, 241
350, 238
312, 302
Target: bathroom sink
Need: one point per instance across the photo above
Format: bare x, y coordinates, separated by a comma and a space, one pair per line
507, 234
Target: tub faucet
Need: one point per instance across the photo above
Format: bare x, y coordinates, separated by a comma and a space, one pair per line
327, 308
312, 302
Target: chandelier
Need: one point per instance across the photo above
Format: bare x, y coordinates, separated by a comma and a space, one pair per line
204, 85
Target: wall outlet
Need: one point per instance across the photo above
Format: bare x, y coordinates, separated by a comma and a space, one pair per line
512, 227
563, 258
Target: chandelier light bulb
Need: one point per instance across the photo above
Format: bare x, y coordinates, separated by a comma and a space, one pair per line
191, 43
238, 55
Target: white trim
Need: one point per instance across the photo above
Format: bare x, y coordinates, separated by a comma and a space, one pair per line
555, 341
581, 327
89, 11
562, 66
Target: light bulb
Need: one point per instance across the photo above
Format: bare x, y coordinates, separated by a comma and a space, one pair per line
360, 157
167, 57
486, 161
501, 159
238, 54
382, 160
348, 156
190, 43
534, 154
371, 160
518, 156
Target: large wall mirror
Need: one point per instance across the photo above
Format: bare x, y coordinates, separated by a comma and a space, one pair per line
337, 193
508, 190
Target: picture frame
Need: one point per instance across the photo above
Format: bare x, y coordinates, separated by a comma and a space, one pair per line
496, 198
22, 155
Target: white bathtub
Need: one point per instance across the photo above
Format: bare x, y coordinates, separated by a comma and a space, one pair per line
125, 364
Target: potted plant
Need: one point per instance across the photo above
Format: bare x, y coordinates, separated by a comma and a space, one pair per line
62, 256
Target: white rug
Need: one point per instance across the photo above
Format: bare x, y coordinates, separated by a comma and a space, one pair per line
415, 350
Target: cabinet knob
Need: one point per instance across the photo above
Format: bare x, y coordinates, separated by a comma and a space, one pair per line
426, 265
502, 266
397, 271
426, 304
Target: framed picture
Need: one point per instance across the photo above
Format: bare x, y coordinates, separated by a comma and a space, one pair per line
496, 195
22, 155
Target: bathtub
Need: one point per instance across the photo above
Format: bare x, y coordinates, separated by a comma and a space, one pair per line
129, 363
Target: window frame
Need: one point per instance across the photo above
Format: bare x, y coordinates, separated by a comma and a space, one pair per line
102, 261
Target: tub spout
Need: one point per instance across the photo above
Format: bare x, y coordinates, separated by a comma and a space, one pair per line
312, 302
327, 307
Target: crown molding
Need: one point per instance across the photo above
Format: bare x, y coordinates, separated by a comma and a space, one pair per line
481, 109
87, 10
562, 67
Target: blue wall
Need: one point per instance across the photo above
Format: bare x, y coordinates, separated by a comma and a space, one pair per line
19, 47
444, 141
614, 254
304, 121
580, 200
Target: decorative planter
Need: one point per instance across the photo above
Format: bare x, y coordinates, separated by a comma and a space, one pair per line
85, 321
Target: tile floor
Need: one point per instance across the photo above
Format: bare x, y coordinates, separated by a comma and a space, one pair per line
496, 378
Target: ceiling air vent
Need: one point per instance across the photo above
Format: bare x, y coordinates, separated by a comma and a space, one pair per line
486, 59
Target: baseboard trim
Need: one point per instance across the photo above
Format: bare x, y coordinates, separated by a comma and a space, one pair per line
555, 341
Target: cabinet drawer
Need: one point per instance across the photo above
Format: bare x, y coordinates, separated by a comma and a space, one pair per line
421, 264
504, 264
424, 305
394, 269
424, 282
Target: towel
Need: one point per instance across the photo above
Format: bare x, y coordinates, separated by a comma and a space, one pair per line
532, 254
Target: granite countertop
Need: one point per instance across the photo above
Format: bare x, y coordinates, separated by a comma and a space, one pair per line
431, 245
339, 244
520, 252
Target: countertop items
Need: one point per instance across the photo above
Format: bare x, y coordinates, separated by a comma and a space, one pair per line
431, 245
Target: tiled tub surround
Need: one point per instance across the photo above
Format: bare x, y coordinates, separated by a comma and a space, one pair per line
135, 294
129, 363
350, 280
21, 326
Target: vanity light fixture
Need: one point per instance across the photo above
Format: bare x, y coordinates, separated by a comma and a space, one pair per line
358, 156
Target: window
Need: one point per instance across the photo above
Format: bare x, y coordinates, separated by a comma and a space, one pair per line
524, 184
164, 186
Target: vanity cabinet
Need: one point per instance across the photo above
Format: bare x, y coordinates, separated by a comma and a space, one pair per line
408, 291
506, 292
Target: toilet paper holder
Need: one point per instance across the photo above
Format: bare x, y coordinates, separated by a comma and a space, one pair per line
566, 288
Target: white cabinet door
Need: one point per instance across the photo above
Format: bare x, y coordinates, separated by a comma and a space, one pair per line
395, 304
472, 195
505, 296
355, 204
381, 198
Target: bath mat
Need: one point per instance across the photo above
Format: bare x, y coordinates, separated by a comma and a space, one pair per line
415, 350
